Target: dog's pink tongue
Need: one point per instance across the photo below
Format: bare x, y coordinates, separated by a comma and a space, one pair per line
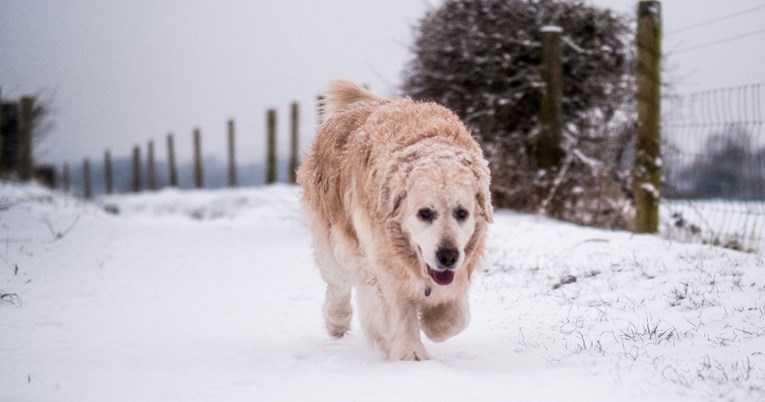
442, 278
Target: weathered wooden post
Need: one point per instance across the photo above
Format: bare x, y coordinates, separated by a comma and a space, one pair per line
549, 152
87, 189
319, 110
294, 138
136, 169
173, 171
271, 146
647, 170
547, 149
232, 179
151, 173
26, 115
66, 179
1, 133
108, 173
198, 175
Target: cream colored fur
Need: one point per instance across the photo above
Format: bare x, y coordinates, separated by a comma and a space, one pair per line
374, 166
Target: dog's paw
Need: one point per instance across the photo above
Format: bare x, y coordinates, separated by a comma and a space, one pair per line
445, 320
337, 331
337, 316
413, 356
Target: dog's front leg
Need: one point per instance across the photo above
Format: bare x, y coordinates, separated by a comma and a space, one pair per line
390, 321
407, 344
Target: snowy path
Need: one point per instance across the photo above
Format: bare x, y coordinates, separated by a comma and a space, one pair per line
213, 296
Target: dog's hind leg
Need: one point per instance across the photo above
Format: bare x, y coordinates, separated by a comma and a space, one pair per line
445, 320
338, 310
337, 304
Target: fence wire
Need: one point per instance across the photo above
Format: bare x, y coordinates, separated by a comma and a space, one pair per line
714, 163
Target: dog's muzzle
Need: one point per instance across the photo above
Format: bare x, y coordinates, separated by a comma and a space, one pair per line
447, 258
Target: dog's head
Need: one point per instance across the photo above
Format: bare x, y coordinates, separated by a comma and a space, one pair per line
441, 210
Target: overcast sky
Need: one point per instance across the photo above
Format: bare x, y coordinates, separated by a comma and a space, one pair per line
121, 73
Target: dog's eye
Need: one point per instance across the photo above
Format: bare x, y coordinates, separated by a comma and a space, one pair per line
461, 214
426, 214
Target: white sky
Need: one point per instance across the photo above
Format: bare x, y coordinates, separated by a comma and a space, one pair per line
122, 73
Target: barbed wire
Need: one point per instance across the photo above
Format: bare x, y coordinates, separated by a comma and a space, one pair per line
719, 41
715, 20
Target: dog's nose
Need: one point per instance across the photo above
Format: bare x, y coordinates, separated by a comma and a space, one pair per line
447, 256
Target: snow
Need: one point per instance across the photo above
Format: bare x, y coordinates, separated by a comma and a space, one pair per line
212, 295
551, 28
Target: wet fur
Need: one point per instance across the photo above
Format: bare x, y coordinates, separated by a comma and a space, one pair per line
360, 184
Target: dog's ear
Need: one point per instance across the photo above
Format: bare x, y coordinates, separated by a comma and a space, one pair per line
390, 202
480, 169
483, 199
392, 195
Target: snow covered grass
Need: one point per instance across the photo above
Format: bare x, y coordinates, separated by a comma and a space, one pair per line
212, 295
654, 310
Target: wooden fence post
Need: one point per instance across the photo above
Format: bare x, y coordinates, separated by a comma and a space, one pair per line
66, 179
271, 156
108, 173
25, 167
232, 179
198, 176
87, 189
173, 171
647, 169
136, 169
151, 172
319, 110
294, 134
1, 133
549, 152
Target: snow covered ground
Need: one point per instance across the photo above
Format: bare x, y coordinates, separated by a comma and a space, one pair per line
213, 296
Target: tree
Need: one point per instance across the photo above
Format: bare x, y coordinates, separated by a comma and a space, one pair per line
727, 167
481, 58
43, 122
42, 125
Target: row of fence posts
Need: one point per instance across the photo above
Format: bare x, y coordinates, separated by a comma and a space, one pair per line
151, 173
646, 173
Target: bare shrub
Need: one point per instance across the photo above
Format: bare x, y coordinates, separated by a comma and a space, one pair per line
481, 58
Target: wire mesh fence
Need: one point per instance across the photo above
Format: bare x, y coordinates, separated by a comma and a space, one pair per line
714, 162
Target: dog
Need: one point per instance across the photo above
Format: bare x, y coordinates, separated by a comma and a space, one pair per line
396, 193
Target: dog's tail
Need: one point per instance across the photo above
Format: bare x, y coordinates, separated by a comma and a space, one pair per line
344, 93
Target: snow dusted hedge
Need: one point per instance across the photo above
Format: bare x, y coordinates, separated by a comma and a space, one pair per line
481, 58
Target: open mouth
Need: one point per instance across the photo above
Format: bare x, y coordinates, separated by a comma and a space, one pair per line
442, 278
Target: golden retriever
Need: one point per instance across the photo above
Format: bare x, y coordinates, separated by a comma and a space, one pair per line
397, 197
